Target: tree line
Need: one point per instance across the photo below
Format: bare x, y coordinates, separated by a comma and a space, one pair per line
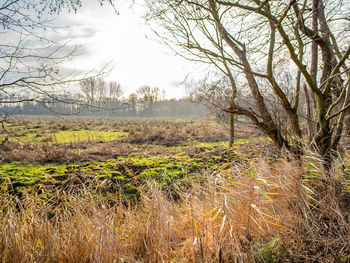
101, 98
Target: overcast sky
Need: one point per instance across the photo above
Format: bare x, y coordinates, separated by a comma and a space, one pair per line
126, 41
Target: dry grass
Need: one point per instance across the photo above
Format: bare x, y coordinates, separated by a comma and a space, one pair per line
64, 153
226, 217
323, 232
175, 133
277, 211
150, 135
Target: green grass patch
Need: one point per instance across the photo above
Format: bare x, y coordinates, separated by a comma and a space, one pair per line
272, 252
34, 136
18, 177
114, 175
224, 144
85, 135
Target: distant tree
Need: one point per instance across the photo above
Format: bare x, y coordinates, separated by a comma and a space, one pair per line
148, 96
94, 90
132, 100
89, 89
101, 90
162, 95
115, 90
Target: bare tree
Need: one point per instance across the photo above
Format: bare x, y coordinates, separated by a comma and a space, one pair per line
217, 95
253, 40
89, 89
101, 90
94, 90
148, 96
132, 100
115, 90
162, 96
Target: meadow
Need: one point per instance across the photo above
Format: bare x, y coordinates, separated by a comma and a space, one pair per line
108, 190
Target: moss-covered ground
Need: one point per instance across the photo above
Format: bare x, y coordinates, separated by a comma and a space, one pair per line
112, 155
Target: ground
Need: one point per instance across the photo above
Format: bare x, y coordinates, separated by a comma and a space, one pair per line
163, 191
117, 154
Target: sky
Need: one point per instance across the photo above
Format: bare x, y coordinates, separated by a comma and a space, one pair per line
126, 42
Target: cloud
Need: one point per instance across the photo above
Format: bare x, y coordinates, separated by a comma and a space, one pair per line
79, 31
104, 36
74, 32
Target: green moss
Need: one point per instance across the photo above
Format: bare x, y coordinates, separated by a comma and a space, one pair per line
212, 144
272, 252
170, 168
66, 136
19, 177
85, 135
224, 144
342, 259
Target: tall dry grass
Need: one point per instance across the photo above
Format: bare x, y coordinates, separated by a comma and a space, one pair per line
323, 231
250, 214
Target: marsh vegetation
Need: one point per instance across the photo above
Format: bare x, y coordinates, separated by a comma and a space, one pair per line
106, 190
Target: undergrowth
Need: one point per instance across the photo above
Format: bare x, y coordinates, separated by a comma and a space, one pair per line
254, 213
165, 191
221, 218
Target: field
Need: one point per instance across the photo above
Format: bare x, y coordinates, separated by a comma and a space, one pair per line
113, 153
106, 190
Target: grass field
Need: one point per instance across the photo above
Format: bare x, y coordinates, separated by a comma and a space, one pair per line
121, 152
89, 190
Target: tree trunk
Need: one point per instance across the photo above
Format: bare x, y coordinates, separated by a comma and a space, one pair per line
309, 114
232, 129
347, 125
